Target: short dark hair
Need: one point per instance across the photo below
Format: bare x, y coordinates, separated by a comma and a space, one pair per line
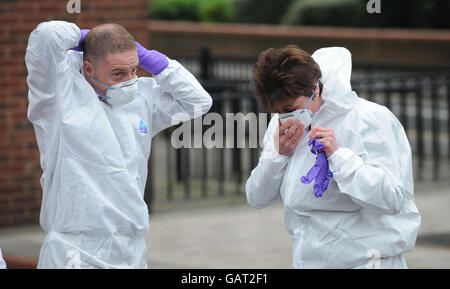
107, 38
284, 73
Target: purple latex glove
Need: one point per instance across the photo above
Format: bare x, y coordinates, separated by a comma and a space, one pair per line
319, 171
152, 60
79, 47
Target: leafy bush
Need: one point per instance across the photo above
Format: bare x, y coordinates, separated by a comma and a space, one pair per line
324, 12
192, 10
260, 11
406, 13
216, 11
174, 9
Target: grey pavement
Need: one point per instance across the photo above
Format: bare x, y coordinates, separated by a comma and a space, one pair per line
238, 236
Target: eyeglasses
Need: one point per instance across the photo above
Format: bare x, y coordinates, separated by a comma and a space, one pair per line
310, 98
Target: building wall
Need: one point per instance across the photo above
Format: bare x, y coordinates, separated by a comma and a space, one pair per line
20, 190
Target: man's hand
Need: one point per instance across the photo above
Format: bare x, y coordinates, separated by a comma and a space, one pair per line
288, 135
152, 60
80, 45
326, 136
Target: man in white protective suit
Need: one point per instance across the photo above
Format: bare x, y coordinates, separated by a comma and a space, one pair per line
94, 120
360, 213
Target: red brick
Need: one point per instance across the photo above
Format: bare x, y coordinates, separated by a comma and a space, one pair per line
7, 188
5, 200
21, 9
8, 19
19, 155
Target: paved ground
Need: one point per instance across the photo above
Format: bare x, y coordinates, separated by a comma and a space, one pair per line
238, 236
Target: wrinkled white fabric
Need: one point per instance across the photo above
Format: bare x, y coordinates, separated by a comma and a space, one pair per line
394, 262
369, 204
2, 262
94, 156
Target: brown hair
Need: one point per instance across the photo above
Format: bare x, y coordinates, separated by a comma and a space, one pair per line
107, 38
284, 73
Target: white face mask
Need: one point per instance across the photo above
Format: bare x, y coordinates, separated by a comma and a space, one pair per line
304, 115
120, 93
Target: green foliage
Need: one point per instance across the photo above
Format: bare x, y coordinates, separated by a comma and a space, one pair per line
260, 11
192, 10
324, 12
174, 9
216, 11
405, 13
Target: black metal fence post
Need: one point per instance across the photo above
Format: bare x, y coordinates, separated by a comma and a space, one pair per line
186, 173
169, 181
237, 170
254, 151
419, 128
205, 63
149, 187
435, 128
447, 91
205, 75
403, 107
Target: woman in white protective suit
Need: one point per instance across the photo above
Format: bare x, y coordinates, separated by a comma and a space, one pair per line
367, 217
94, 120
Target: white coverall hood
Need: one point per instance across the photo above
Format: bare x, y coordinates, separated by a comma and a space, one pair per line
336, 66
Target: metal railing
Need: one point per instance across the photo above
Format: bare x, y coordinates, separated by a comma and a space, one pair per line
419, 99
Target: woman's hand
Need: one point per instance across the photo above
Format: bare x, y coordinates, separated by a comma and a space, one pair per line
326, 136
288, 135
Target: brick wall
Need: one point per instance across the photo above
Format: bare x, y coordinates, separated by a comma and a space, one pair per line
20, 190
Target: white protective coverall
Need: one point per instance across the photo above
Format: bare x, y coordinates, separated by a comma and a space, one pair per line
2, 262
94, 156
368, 210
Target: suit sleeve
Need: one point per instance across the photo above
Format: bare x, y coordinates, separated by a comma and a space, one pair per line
263, 185
179, 97
45, 57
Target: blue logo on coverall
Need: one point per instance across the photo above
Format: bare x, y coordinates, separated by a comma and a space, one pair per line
142, 127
